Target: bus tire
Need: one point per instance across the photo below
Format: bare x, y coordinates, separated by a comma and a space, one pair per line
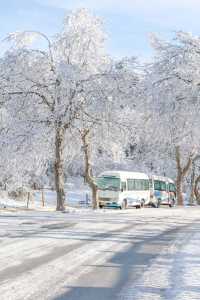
142, 203
158, 203
124, 204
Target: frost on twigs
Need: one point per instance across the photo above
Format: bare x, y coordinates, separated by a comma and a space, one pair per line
22, 39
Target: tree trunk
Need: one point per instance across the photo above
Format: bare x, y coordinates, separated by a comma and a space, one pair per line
196, 190
192, 194
181, 173
42, 197
179, 189
59, 168
88, 168
28, 200
95, 203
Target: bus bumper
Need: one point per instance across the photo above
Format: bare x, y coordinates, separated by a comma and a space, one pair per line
109, 204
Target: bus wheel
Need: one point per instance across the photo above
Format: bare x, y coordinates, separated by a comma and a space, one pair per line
124, 204
142, 203
158, 203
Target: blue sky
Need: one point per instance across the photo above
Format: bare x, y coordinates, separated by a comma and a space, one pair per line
127, 22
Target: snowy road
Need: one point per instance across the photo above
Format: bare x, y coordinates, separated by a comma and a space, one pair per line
144, 254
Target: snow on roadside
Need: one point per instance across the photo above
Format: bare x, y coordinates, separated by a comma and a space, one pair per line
78, 198
11, 203
78, 195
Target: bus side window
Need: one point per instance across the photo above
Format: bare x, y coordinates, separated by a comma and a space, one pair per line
123, 186
150, 183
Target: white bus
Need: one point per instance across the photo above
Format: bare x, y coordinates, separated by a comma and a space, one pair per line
163, 191
123, 189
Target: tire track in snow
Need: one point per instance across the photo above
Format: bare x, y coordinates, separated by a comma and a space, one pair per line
29, 264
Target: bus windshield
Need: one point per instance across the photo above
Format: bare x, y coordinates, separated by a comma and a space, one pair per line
159, 185
108, 183
172, 187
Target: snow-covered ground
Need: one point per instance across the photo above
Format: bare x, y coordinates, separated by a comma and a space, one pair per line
74, 198
173, 274
110, 254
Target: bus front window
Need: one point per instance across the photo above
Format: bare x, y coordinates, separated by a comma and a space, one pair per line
160, 185
108, 183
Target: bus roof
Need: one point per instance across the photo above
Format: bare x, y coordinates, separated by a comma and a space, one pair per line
162, 178
125, 175
156, 177
170, 180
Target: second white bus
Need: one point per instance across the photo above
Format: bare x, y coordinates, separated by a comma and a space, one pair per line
163, 191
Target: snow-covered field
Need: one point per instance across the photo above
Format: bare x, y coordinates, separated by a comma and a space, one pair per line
74, 198
110, 254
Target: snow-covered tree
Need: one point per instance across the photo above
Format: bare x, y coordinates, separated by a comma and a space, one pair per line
173, 87
52, 87
105, 125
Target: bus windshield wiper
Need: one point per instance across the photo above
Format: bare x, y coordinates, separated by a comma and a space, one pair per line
110, 188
